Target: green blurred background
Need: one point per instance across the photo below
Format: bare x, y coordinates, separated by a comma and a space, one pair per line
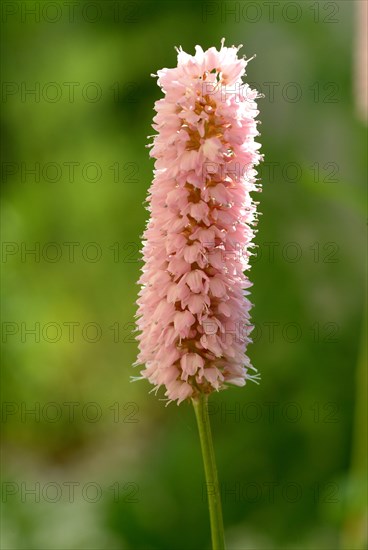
100, 463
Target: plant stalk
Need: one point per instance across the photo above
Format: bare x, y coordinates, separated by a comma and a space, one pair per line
213, 489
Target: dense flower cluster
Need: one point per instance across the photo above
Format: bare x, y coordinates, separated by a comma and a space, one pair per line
193, 310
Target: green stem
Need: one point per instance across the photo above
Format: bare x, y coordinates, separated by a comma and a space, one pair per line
213, 489
354, 535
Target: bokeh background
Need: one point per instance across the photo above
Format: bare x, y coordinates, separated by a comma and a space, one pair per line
90, 460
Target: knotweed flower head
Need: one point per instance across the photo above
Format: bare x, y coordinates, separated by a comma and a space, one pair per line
193, 309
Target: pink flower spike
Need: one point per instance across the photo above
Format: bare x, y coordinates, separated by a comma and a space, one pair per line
193, 312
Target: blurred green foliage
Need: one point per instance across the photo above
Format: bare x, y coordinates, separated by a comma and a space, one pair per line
312, 200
